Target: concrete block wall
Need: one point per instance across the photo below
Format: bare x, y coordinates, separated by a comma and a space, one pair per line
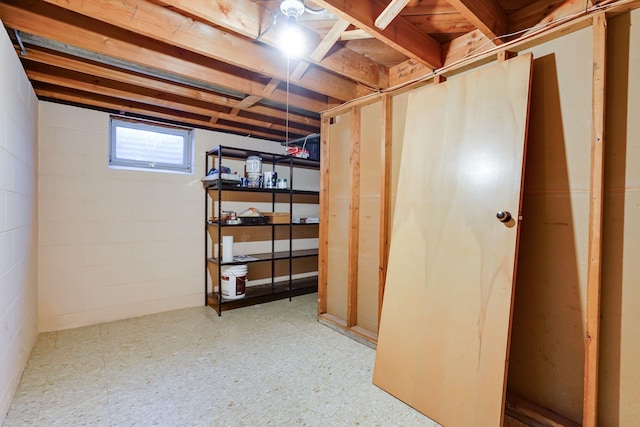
116, 243
18, 225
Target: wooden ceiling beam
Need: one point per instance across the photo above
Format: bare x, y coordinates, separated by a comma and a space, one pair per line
170, 27
355, 35
323, 48
542, 13
256, 22
389, 13
474, 49
469, 44
407, 71
486, 15
330, 40
41, 56
429, 7
448, 23
319, 52
39, 24
117, 106
252, 100
97, 87
400, 34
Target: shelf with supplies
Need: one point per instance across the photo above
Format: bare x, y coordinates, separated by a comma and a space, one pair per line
260, 240
235, 187
268, 256
268, 292
267, 158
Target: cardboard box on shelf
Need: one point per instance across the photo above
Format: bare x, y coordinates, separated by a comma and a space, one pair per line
278, 217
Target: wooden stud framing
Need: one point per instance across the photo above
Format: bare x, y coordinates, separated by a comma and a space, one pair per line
385, 195
392, 10
323, 232
439, 79
529, 413
354, 220
358, 102
594, 268
505, 55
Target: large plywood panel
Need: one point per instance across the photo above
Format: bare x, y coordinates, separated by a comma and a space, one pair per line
397, 131
566, 75
547, 347
338, 235
547, 350
619, 393
444, 331
371, 169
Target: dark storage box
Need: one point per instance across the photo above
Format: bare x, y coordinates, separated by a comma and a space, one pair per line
311, 143
253, 220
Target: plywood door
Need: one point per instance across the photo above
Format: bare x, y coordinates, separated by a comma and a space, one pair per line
444, 332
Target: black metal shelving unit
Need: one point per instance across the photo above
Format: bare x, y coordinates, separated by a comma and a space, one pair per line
276, 289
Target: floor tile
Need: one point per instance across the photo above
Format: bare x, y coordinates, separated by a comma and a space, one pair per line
267, 365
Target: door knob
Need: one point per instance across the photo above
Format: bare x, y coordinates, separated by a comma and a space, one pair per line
503, 216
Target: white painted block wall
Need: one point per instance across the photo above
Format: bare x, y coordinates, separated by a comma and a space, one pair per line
117, 243
18, 226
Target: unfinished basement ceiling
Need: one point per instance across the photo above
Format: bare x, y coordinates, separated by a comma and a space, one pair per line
216, 64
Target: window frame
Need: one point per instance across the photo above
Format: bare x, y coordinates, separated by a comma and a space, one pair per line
116, 162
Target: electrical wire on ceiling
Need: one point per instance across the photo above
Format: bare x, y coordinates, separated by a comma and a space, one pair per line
313, 11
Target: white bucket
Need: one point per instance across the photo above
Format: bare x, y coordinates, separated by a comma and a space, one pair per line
233, 281
254, 164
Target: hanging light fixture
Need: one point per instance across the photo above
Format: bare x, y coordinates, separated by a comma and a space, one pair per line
292, 8
291, 37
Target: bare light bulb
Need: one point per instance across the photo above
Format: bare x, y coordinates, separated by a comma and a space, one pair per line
292, 39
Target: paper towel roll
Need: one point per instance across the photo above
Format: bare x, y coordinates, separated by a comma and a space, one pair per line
227, 248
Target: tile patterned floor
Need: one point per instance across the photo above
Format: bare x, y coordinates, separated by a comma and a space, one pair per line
267, 365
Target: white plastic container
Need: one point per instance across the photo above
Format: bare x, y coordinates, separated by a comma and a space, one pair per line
254, 179
227, 248
254, 164
282, 184
233, 281
270, 179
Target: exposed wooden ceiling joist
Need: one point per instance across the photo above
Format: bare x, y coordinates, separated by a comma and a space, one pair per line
97, 87
487, 15
267, 27
167, 26
400, 34
389, 13
213, 64
323, 48
355, 35
117, 106
43, 56
125, 47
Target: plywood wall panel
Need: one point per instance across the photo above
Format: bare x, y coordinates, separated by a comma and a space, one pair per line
399, 118
443, 336
547, 344
619, 393
562, 84
338, 219
547, 350
369, 234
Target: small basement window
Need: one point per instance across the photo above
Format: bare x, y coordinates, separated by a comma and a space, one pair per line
139, 144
